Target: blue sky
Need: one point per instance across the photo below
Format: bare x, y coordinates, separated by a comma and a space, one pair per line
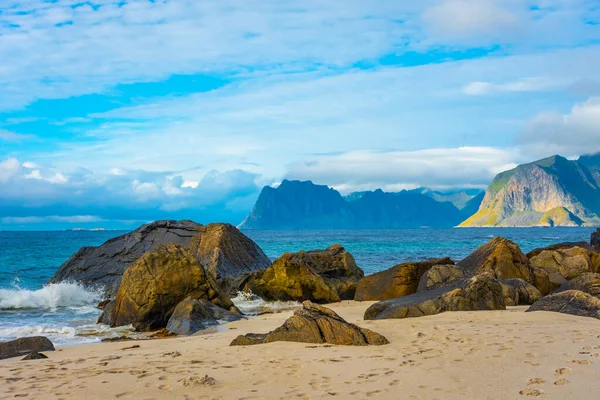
114, 113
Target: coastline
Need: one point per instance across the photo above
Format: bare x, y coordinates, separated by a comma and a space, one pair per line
453, 355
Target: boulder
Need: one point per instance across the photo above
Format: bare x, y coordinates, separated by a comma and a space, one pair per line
24, 346
156, 283
315, 324
574, 302
563, 265
505, 260
559, 246
223, 249
588, 283
192, 315
595, 240
481, 292
441, 276
517, 292
321, 276
400, 280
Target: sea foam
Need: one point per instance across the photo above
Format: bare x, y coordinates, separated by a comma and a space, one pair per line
251, 304
50, 297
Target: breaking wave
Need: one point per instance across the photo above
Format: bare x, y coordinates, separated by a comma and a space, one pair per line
50, 297
251, 304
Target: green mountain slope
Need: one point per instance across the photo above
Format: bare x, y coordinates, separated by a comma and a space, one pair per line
550, 192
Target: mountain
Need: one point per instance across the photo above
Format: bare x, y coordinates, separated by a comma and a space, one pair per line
553, 191
304, 205
460, 198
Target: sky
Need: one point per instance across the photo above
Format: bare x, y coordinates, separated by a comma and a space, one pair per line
115, 113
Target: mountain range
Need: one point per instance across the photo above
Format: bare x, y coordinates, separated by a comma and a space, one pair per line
553, 191
304, 205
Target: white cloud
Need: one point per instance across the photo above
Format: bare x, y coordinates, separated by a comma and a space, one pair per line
522, 85
12, 137
572, 134
395, 170
473, 20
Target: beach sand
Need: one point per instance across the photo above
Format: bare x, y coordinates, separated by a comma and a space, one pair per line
463, 355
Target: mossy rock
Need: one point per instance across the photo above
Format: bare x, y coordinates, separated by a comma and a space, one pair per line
321, 276
155, 284
564, 264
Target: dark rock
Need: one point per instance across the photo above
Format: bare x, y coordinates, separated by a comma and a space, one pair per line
34, 355
221, 248
155, 284
481, 292
400, 280
191, 316
107, 313
441, 276
315, 324
321, 276
574, 302
517, 292
588, 283
595, 240
565, 264
102, 305
24, 346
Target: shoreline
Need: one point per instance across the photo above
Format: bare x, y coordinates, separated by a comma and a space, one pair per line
453, 355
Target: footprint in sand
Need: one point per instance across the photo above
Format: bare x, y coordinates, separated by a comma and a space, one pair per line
531, 392
536, 381
563, 371
561, 382
580, 362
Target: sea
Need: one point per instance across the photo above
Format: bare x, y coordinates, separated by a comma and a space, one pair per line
67, 313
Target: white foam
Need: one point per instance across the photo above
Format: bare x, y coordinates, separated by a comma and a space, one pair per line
251, 304
49, 297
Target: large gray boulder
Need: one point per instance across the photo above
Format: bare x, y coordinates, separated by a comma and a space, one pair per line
220, 248
482, 292
574, 302
25, 346
193, 315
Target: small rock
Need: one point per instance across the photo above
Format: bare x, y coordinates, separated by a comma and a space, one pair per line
34, 355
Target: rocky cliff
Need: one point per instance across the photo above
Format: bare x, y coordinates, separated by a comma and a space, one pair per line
549, 192
304, 205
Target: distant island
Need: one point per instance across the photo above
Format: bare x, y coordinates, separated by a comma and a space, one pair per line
550, 192
304, 205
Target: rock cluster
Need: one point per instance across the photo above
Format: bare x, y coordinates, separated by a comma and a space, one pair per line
221, 248
315, 324
482, 292
193, 315
400, 280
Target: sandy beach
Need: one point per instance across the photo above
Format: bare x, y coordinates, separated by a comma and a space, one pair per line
464, 355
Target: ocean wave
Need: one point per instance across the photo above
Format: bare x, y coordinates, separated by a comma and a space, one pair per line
66, 335
251, 304
50, 297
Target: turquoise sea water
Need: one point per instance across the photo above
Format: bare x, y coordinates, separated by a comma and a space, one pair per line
66, 312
